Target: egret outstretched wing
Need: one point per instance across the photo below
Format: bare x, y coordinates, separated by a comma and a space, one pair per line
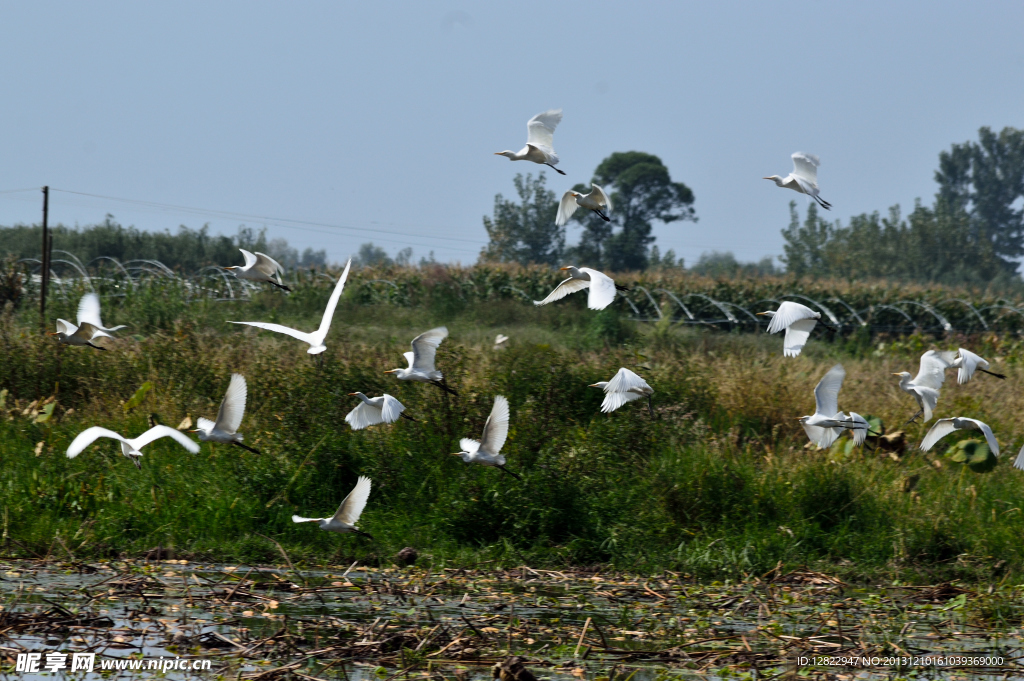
352, 507
278, 328
1019, 461
468, 445
205, 424
602, 289
157, 432
805, 167
232, 407
969, 363
300, 519
89, 312
568, 286
496, 427
788, 314
826, 393
933, 368
566, 207
265, 263
392, 409
796, 337
363, 416
859, 431
941, 429
332, 304
597, 194
250, 259
613, 401
424, 347
65, 327
625, 380
87, 437
540, 129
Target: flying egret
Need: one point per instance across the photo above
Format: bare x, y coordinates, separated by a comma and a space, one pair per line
345, 518
624, 387
130, 447
89, 312
374, 410
926, 385
602, 287
944, 427
421, 360
540, 146
316, 338
499, 341
967, 362
827, 423
596, 201
80, 335
804, 178
798, 321
259, 267
229, 417
487, 451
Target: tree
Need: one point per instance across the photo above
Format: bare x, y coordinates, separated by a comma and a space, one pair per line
525, 232
805, 246
371, 256
724, 265
641, 191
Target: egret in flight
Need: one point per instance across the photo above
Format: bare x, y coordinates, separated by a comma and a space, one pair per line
259, 267
624, 387
499, 341
130, 447
229, 417
89, 313
421, 360
944, 427
967, 362
374, 410
602, 287
316, 338
487, 452
798, 321
345, 518
89, 327
540, 146
827, 423
926, 385
596, 201
804, 178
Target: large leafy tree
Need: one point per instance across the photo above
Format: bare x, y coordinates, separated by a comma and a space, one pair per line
525, 232
641, 192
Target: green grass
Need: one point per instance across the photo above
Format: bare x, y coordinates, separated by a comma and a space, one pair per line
719, 485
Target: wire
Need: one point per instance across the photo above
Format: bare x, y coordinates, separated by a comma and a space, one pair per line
15, 191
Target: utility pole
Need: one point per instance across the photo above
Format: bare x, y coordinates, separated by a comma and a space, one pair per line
44, 279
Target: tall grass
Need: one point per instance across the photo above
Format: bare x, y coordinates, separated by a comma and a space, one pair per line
718, 485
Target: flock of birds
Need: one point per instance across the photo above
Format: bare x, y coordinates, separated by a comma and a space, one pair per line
798, 321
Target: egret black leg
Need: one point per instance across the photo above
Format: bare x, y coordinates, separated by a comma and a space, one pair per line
992, 373
281, 286
554, 168
511, 473
245, 447
914, 417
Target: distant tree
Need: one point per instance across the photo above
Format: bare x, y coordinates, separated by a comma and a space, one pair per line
525, 232
641, 192
722, 265
657, 261
371, 256
805, 245
404, 256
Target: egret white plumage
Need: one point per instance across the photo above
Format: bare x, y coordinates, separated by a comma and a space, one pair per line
345, 518
229, 417
259, 267
602, 287
804, 178
944, 427
499, 341
967, 362
827, 423
421, 360
487, 452
798, 321
89, 313
129, 447
80, 335
316, 338
624, 387
540, 145
596, 201
373, 410
926, 385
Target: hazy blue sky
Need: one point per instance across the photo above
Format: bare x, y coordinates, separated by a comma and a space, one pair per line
385, 116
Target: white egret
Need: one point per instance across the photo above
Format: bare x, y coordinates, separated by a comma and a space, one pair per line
827, 423
798, 321
967, 362
925, 386
80, 335
499, 341
374, 410
860, 428
229, 417
316, 338
624, 387
596, 201
944, 427
540, 146
602, 287
804, 178
89, 313
421, 360
259, 267
129, 447
487, 452
345, 518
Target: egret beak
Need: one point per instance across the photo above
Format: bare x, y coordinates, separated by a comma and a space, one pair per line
51, 333
498, 153
592, 385
563, 268
193, 430
354, 394
897, 374
390, 371
456, 453
766, 178
760, 314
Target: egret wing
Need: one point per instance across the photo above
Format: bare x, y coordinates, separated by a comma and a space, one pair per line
814, 433
392, 409
89, 310
796, 336
250, 259
602, 289
625, 380
933, 368
471, 446
424, 348
286, 330
267, 265
540, 129
66, 327
562, 290
929, 399
941, 429
87, 437
1019, 461
325, 323
205, 424
613, 401
826, 393
566, 207
805, 166
352, 507
990, 437
89, 331
232, 407
788, 314
859, 431
157, 432
409, 357
300, 519
496, 428
362, 416
968, 363
597, 194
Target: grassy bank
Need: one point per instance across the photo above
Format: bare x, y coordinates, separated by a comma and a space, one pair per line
719, 484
